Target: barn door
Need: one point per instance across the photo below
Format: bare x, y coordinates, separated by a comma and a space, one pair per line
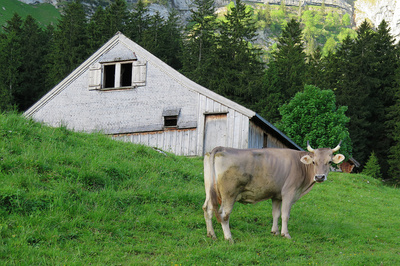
215, 131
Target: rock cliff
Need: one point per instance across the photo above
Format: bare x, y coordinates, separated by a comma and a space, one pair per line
372, 10
375, 11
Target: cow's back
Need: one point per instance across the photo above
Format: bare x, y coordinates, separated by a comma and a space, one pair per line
253, 175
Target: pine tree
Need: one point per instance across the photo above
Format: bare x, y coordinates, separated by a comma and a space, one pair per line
372, 167
139, 22
11, 60
239, 69
70, 46
32, 71
200, 44
117, 17
362, 74
286, 71
98, 29
387, 62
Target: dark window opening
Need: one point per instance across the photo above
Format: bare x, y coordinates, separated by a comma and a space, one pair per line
109, 76
126, 75
171, 121
265, 141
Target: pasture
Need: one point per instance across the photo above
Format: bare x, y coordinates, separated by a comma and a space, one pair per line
77, 199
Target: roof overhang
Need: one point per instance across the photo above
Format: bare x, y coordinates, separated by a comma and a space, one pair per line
267, 126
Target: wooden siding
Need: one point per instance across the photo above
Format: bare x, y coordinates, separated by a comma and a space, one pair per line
257, 138
179, 141
237, 124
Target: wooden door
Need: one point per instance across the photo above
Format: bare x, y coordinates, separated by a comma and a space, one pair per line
215, 131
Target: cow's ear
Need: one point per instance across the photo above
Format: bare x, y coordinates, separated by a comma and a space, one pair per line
338, 158
306, 159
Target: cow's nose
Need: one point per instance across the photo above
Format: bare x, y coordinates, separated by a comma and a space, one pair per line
319, 178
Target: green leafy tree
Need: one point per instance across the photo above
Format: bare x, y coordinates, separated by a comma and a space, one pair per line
372, 167
313, 116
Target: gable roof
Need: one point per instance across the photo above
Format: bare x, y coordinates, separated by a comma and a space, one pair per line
121, 39
129, 48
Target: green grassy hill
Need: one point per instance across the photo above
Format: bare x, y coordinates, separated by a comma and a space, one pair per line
77, 199
45, 14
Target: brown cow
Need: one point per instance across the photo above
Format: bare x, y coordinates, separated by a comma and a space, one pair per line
253, 175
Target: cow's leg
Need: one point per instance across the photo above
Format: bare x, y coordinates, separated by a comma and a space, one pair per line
208, 212
208, 206
225, 211
276, 213
286, 206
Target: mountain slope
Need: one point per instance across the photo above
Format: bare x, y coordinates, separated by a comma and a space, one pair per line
78, 199
45, 14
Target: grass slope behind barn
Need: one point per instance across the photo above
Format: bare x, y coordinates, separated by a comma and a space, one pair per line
76, 199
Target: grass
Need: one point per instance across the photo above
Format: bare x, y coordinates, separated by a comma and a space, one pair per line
77, 199
45, 14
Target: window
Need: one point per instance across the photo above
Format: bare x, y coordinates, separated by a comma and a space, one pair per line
126, 75
171, 117
117, 75
171, 121
109, 76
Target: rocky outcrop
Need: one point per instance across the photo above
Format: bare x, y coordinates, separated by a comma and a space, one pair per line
372, 10
375, 11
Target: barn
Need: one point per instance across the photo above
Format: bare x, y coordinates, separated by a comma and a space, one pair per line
124, 91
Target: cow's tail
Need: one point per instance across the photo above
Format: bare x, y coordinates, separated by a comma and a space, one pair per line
211, 184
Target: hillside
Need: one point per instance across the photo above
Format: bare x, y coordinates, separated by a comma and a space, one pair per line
45, 14
78, 199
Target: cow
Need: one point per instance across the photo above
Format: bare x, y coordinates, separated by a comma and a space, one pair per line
254, 175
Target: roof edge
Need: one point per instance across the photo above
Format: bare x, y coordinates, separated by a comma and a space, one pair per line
72, 76
271, 126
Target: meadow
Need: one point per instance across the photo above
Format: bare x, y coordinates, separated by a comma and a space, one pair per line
44, 14
70, 198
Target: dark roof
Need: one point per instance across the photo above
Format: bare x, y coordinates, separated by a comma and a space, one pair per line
270, 128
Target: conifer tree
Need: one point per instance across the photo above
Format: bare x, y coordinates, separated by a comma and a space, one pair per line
372, 167
286, 72
32, 71
362, 73
117, 17
138, 23
11, 60
70, 46
200, 44
98, 29
239, 69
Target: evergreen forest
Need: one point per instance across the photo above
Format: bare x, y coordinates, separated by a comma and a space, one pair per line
359, 67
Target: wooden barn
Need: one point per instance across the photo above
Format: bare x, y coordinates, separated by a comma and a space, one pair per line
124, 91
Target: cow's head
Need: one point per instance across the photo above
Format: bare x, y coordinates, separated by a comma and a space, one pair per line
322, 158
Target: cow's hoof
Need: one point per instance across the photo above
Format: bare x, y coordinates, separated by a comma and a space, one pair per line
230, 241
286, 235
275, 233
213, 236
